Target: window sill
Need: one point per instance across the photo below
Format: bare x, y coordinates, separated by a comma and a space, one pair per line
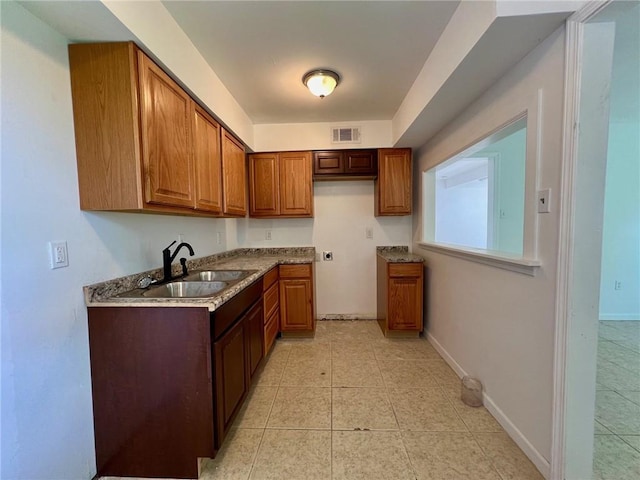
486, 257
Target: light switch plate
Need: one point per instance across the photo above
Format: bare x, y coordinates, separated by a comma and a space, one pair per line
544, 200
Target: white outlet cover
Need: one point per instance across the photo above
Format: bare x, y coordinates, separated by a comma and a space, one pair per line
58, 254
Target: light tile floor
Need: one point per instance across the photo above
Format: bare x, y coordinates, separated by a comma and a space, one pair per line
617, 429
350, 404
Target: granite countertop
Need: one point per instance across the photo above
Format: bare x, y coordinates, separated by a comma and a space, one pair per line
261, 260
398, 254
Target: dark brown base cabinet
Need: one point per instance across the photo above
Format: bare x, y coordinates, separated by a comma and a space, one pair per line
168, 381
400, 297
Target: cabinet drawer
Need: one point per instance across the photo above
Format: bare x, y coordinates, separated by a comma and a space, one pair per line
271, 331
405, 269
295, 271
270, 277
271, 297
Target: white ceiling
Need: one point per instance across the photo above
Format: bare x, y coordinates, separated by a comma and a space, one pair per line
261, 49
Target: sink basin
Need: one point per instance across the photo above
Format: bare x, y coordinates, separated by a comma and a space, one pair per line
186, 289
220, 275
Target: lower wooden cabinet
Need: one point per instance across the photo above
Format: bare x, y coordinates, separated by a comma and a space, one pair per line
400, 296
271, 307
231, 379
297, 311
151, 379
237, 355
254, 327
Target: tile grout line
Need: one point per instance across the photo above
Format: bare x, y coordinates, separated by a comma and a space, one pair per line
264, 430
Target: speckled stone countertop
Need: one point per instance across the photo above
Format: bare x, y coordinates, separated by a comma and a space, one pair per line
398, 254
105, 294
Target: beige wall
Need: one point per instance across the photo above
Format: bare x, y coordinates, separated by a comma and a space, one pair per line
492, 323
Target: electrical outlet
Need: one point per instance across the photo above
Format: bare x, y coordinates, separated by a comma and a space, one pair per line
267, 234
58, 254
368, 232
327, 256
219, 237
180, 237
617, 285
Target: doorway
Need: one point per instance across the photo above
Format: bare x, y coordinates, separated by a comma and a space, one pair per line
598, 349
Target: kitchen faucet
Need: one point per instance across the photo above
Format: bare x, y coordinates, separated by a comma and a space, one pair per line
167, 258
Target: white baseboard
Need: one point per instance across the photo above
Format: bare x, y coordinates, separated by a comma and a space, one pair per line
541, 463
620, 316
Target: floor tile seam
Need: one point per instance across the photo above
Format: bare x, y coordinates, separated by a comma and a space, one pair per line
367, 429
613, 364
617, 392
621, 437
486, 455
455, 408
255, 454
414, 470
624, 346
300, 429
273, 402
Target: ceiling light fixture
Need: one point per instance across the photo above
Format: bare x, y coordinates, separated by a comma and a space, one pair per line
321, 82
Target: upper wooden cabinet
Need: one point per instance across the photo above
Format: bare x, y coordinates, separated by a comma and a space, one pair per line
393, 186
142, 143
165, 131
207, 161
344, 164
234, 173
280, 184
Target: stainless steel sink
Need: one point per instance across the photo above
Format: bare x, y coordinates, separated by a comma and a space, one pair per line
222, 275
186, 289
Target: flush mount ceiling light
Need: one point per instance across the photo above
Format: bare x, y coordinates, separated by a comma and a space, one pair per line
321, 82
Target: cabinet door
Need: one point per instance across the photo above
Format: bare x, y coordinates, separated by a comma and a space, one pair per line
234, 176
264, 185
296, 312
296, 184
207, 161
393, 187
165, 114
271, 330
405, 297
330, 162
230, 377
254, 326
361, 162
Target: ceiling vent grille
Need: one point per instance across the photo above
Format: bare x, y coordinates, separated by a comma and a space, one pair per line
345, 135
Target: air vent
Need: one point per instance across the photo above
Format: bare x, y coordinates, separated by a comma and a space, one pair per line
345, 135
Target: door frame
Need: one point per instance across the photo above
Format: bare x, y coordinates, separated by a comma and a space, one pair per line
564, 289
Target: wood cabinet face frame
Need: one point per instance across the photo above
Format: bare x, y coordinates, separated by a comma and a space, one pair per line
281, 185
345, 164
207, 159
400, 296
136, 139
393, 188
297, 309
